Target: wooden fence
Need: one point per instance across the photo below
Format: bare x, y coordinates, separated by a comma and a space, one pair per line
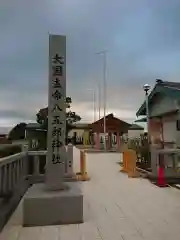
141, 147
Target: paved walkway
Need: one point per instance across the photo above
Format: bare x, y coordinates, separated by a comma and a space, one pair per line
115, 207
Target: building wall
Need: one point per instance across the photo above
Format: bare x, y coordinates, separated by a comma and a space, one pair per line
21, 141
162, 105
164, 130
78, 131
170, 132
135, 133
36, 139
156, 134
112, 125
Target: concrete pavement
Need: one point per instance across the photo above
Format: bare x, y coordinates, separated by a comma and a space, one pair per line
115, 207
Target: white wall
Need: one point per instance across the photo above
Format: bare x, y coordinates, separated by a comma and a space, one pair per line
135, 133
79, 132
169, 131
76, 159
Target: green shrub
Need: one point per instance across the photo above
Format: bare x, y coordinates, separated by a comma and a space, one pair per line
10, 150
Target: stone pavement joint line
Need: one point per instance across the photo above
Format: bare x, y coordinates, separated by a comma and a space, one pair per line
115, 207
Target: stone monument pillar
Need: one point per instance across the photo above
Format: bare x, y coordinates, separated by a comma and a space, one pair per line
52, 203
56, 155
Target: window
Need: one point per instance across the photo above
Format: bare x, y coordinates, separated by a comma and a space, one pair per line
178, 125
169, 131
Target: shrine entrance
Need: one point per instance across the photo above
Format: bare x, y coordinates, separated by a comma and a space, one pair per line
114, 129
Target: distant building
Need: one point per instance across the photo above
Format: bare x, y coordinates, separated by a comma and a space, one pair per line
114, 129
80, 133
78, 130
113, 125
135, 131
35, 135
3, 135
164, 114
4, 139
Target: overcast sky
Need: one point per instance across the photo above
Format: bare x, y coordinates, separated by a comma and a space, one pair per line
142, 38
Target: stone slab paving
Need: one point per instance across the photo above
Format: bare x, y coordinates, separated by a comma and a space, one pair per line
115, 207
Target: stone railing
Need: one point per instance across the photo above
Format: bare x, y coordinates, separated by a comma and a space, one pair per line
21, 167
12, 172
36, 162
24, 166
13, 184
18, 172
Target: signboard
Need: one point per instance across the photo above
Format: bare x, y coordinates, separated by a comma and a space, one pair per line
34, 143
56, 112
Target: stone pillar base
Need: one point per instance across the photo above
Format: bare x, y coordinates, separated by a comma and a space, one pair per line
70, 177
42, 207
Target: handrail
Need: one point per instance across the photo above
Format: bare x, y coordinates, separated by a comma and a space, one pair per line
14, 157
37, 153
11, 158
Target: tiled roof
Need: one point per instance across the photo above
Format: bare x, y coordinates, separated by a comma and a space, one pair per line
136, 127
81, 125
110, 116
33, 126
171, 89
170, 84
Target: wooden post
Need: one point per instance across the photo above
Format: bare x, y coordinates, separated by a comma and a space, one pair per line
82, 175
118, 140
132, 164
125, 161
97, 141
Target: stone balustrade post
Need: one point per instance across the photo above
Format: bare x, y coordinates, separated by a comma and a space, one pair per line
36, 165
70, 159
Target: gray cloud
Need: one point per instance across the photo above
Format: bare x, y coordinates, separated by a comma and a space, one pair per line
14, 113
142, 39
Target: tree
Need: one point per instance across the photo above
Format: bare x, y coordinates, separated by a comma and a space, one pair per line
71, 117
18, 132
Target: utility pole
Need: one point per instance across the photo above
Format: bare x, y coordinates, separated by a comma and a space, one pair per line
94, 105
104, 53
94, 102
146, 88
99, 100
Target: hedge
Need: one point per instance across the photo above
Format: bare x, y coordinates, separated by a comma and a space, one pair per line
10, 150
